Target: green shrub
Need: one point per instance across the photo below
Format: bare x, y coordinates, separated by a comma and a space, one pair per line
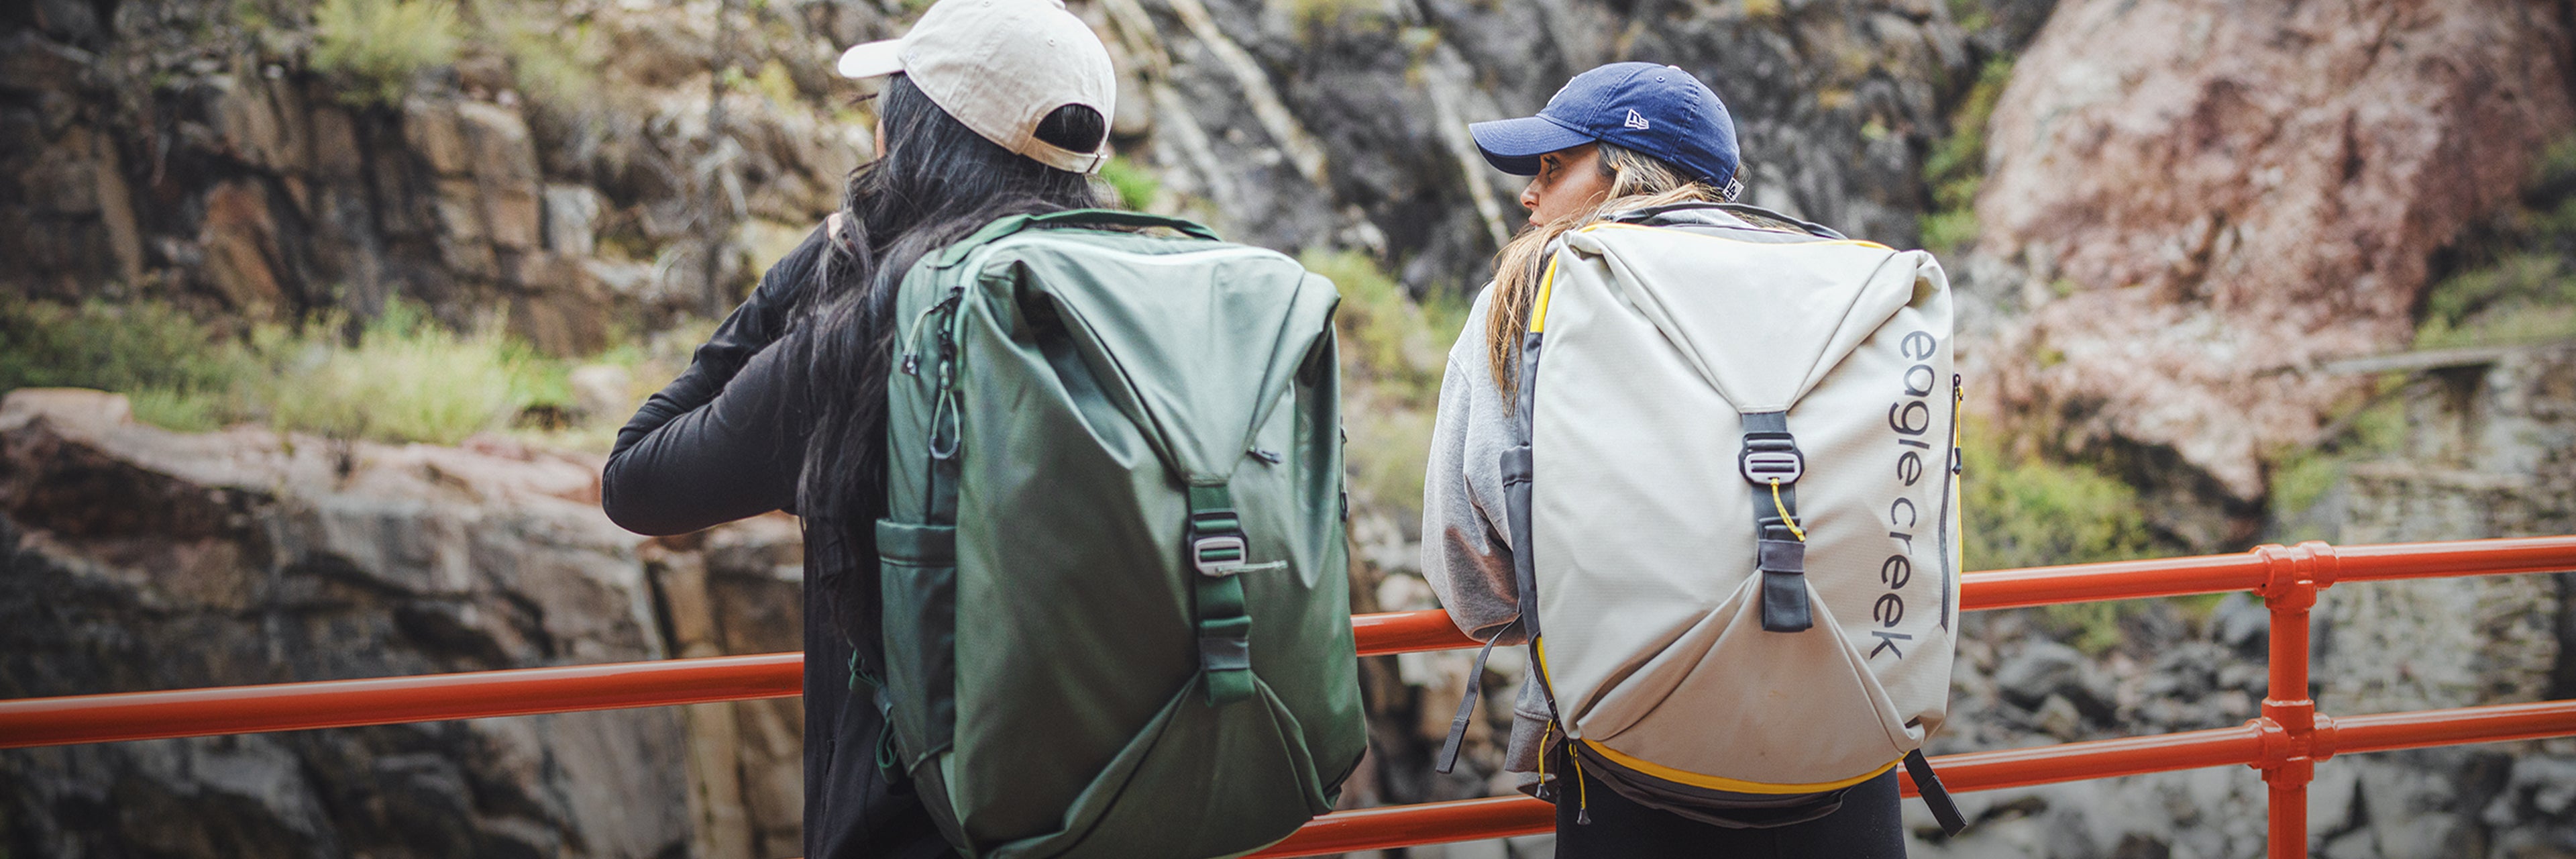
1393, 352
2522, 297
409, 379
1387, 451
1317, 16
379, 45
1400, 344
1970, 15
403, 379
2515, 280
1136, 188
180, 373
2018, 511
1956, 168
2298, 478
551, 65
2027, 511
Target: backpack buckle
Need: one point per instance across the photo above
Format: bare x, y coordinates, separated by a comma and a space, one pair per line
1218, 555
1769, 458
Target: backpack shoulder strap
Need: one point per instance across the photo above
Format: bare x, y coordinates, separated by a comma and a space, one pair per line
956, 252
1706, 214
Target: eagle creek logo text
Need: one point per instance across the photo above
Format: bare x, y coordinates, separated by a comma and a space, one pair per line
1910, 416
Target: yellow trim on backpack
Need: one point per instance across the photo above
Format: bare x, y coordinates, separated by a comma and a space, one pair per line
1546, 286
1713, 782
1693, 779
1539, 645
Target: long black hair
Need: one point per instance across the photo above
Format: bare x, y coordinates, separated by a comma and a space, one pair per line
936, 182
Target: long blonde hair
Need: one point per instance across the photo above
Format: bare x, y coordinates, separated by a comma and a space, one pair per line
1637, 181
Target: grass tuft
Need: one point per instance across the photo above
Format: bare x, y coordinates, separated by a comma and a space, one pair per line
1394, 350
1314, 17
2027, 511
408, 379
553, 66
1136, 189
2515, 279
380, 45
403, 378
1956, 169
180, 374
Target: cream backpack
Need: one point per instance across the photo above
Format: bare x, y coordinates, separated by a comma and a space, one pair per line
1737, 492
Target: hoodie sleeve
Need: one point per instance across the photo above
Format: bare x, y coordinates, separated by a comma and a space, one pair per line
726, 439
1466, 554
761, 320
736, 456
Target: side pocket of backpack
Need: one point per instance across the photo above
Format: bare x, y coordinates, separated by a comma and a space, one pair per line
917, 587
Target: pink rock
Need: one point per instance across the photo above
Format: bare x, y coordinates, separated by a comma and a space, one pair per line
2209, 197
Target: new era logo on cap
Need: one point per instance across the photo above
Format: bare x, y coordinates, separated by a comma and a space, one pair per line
1635, 120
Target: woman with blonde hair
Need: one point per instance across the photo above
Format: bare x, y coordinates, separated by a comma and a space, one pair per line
1647, 144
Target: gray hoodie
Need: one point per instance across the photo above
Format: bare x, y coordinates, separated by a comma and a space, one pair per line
1466, 549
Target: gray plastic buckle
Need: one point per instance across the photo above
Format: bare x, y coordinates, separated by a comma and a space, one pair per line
1768, 460
1211, 555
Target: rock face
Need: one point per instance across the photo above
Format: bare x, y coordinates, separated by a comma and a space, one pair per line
1341, 123
2492, 452
137, 559
187, 150
2205, 198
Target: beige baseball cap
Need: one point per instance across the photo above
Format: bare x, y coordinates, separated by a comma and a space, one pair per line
1000, 66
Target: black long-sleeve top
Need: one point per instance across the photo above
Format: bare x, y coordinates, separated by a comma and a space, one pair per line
726, 441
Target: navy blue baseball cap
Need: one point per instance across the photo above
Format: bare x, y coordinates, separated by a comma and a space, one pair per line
1660, 111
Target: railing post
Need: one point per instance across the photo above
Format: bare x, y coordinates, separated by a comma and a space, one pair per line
2295, 736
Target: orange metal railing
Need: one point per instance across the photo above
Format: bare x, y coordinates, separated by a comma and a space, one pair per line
2284, 743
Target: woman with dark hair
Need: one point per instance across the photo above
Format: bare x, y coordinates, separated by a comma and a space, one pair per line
994, 108
1650, 144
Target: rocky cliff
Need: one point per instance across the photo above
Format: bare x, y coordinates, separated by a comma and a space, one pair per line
137, 559
193, 151
630, 161
2191, 206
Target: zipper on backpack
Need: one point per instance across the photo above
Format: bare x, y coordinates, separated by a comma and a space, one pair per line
912, 338
944, 403
942, 446
1950, 487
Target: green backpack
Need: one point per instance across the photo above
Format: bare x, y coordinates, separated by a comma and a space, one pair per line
1116, 612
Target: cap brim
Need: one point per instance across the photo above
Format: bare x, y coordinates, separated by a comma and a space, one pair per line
1514, 145
874, 59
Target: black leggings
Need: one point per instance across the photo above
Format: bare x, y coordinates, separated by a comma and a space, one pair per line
1866, 827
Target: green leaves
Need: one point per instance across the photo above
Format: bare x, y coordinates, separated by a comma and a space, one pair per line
381, 45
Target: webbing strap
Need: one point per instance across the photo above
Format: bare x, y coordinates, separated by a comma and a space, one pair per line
1520, 469
1927, 785
1213, 546
1448, 757
1771, 462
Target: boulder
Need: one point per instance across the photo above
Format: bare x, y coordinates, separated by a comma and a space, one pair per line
2207, 198
2046, 669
